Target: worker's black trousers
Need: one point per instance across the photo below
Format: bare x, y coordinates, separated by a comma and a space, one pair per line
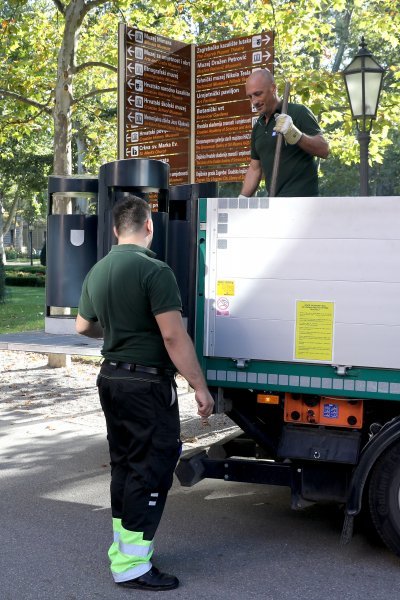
143, 432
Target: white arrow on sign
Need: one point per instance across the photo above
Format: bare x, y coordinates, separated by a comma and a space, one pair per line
131, 117
131, 84
131, 34
131, 67
131, 100
131, 51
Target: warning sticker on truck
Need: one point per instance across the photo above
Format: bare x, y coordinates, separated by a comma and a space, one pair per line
225, 288
314, 330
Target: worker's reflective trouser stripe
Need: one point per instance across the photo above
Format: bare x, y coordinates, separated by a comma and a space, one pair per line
129, 553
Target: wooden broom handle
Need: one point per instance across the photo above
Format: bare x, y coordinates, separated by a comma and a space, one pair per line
279, 142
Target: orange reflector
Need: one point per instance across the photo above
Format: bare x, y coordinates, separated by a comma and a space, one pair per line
267, 399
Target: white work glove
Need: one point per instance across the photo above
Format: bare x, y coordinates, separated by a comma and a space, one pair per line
284, 124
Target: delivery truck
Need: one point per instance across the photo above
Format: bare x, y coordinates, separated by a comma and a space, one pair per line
297, 328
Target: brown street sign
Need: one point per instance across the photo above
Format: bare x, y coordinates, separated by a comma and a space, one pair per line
137, 36
179, 170
226, 94
233, 61
241, 44
177, 161
157, 73
234, 125
159, 90
218, 80
178, 176
217, 142
145, 119
162, 117
157, 149
223, 157
158, 105
176, 60
148, 135
224, 117
220, 174
230, 109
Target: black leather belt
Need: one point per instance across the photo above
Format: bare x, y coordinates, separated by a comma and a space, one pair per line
135, 368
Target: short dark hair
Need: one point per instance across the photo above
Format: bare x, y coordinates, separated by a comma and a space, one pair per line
130, 214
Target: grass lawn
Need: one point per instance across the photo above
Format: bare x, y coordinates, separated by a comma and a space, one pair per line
23, 310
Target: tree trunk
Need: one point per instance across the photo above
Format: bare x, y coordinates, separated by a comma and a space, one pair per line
81, 148
62, 165
74, 14
2, 251
343, 37
19, 234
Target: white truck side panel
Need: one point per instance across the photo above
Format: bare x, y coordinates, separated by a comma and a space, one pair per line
278, 251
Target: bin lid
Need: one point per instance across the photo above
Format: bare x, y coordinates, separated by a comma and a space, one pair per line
140, 173
73, 185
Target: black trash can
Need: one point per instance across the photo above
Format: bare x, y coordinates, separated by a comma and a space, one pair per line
182, 241
145, 178
71, 247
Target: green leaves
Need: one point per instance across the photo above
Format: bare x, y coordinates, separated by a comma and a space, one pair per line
313, 39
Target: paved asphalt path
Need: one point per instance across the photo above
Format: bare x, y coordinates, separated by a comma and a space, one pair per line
223, 540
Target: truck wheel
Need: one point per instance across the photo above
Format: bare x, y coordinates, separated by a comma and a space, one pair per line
384, 497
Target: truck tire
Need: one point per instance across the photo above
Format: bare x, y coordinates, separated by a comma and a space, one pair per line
384, 497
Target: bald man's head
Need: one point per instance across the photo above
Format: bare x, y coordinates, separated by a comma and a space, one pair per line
262, 75
261, 91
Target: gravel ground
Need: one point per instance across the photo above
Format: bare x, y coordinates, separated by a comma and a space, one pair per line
30, 390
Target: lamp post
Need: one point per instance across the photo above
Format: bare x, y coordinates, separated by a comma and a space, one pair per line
363, 78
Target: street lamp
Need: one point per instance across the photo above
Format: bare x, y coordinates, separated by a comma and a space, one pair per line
363, 78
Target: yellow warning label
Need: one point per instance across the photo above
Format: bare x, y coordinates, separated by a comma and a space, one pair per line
314, 330
225, 288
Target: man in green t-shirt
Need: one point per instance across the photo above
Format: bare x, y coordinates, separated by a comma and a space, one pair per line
303, 141
132, 300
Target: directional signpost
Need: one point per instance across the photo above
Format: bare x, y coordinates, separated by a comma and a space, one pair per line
155, 100
187, 105
223, 113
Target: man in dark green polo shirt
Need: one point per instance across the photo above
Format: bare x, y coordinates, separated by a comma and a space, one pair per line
132, 300
298, 171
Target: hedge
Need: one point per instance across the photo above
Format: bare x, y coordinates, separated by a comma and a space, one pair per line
25, 269
29, 280
34, 276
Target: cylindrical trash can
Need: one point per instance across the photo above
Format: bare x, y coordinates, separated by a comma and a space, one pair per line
71, 246
71, 253
182, 241
147, 178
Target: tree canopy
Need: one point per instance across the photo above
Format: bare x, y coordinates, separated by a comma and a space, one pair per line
59, 69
